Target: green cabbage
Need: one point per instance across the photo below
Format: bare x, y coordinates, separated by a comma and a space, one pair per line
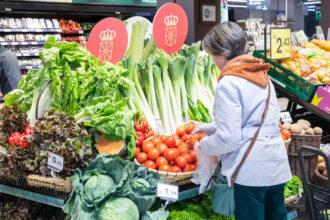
97, 186
119, 209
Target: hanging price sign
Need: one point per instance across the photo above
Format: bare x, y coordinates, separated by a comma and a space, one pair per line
55, 162
168, 192
108, 40
170, 27
280, 43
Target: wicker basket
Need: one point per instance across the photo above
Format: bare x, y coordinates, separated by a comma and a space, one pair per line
172, 178
320, 179
298, 141
57, 184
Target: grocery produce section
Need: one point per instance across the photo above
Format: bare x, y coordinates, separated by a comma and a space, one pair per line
26, 36
101, 138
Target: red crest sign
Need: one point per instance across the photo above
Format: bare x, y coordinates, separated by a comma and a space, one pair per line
170, 27
108, 40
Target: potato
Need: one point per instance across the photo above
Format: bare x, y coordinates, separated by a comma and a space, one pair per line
318, 131
305, 122
296, 129
303, 132
310, 131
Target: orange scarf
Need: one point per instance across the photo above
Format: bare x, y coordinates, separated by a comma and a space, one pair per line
249, 68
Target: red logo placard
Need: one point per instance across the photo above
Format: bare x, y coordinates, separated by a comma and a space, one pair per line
170, 27
108, 40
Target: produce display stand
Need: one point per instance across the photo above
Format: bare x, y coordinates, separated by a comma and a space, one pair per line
185, 192
33, 196
293, 87
294, 101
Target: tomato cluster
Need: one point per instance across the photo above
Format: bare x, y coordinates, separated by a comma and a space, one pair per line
19, 139
173, 153
142, 131
285, 134
70, 26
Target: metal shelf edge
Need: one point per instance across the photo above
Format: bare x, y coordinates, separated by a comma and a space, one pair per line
189, 193
36, 197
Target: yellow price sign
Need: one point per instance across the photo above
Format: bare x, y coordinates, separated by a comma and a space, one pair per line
280, 43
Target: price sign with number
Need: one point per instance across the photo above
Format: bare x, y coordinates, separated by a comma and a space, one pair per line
168, 192
55, 162
280, 43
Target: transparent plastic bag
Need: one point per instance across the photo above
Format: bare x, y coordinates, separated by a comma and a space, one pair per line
205, 168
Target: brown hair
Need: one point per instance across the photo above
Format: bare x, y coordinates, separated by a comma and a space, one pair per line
226, 39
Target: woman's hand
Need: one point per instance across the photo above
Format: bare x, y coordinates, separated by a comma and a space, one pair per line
207, 128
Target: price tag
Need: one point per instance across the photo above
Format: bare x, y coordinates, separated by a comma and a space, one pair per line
168, 192
55, 162
280, 43
294, 41
286, 117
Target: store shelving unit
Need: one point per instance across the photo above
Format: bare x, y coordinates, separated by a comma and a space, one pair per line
31, 30
24, 40
18, 54
22, 43
294, 101
36, 197
35, 67
188, 191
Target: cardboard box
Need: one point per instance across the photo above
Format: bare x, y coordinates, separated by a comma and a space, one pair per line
322, 98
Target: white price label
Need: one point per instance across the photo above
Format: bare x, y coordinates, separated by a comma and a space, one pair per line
55, 161
286, 117
166, 191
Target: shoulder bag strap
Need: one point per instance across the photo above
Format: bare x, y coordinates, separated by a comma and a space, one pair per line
254, 139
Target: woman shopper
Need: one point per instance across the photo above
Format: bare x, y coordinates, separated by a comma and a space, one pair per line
239, 106
10, 73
